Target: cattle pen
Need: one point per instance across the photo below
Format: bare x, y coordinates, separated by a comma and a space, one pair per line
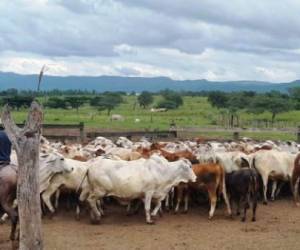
272, 230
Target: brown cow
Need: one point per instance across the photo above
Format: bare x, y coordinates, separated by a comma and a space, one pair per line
295, 180
210, 177
179, 155
158, 145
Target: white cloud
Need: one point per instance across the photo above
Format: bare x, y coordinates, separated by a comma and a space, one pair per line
184, 40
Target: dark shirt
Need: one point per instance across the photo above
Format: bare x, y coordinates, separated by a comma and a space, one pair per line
5, 147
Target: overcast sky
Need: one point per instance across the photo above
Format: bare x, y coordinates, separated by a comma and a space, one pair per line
181, 39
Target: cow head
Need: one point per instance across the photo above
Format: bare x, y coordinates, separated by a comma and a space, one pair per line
56, 163
186, 170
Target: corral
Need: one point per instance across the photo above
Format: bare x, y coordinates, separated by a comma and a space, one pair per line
277, 227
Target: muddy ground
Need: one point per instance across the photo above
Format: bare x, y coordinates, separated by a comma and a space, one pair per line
277, 227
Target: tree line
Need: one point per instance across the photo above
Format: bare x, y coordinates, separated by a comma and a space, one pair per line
106, 101
229, 104
274, 102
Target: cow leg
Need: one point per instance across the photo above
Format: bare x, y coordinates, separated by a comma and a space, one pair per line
92, 200
99, 206
279, 188
274, 187
14, 222
296, 192
167, 202
238, 207
5, 215
179, 198
212, 192
186, 201
254, 206
133, 207
230, 200
147, 203
128, 209
57, 194
83, 196
245, 206
46, 196
157, 207
226, 201
265, 186
43, 206
69, 201
172, 196
3, 218
12, 213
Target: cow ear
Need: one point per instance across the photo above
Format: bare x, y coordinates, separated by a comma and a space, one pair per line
51, 161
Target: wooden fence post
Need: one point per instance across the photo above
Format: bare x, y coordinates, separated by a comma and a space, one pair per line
81, 128
236, 135
298, 134
26, 141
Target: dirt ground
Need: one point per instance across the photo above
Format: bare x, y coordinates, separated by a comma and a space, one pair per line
277, 227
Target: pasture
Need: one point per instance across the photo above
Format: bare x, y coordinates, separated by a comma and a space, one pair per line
196, 113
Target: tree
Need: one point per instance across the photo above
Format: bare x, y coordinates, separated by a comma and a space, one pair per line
107, 101
26, 143
145, 99
295, 95
171, 100
218, 99
17, 101
75, 102
56, 103
173, 96
273, 103
166, 104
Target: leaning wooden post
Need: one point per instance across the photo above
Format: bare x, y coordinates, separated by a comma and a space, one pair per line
26, 142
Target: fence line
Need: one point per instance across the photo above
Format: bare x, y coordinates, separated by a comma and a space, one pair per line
78, 132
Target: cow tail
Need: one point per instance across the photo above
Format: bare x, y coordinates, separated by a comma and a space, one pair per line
80, 185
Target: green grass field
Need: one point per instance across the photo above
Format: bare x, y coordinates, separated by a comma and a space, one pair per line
195, 113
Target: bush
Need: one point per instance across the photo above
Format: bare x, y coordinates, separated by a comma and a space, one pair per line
167, 104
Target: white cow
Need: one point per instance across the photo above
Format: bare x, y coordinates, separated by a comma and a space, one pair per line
70, 180
124, 153
273, 165
124, 142
146, 179
116, 117
232, 161
50, 165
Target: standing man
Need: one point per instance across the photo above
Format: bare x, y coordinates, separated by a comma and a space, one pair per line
5, 149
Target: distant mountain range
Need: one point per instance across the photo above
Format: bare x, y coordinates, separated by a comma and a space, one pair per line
138, 84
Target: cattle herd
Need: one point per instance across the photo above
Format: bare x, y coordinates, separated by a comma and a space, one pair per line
161, 175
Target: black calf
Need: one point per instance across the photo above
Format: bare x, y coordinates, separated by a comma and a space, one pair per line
242, 187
